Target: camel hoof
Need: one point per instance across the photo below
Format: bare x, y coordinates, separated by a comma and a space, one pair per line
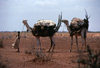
48, 51
18, 51
84, 50
70, 51
78, 51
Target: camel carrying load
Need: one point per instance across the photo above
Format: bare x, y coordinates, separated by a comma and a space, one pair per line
44, 28
78, 27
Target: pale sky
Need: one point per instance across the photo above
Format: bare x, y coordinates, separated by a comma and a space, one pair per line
12, 12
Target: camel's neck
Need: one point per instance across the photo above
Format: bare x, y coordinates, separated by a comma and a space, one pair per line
27, 26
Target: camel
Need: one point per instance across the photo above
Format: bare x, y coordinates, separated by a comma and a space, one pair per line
77, 27
44, 28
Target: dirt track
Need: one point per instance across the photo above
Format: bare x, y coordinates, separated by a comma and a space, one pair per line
61, 58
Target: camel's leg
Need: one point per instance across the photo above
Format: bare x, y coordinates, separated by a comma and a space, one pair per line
78, 65
52, 44
39, 50
82, 42
71, 43
18, 50
83, 36
77, 43
38, 44
85, 44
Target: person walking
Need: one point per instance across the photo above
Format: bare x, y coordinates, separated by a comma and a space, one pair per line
17, 42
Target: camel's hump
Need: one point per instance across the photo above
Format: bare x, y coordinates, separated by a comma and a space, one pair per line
45, 23
76, 22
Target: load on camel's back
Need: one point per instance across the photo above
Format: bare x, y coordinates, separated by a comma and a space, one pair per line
44, 25
77, 24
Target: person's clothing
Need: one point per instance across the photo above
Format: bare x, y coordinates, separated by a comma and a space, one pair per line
16, 43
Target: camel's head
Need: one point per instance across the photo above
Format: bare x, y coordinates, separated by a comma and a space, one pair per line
24, 22
27, 26
65, 21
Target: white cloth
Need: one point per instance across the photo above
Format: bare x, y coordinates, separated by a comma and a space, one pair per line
16, 43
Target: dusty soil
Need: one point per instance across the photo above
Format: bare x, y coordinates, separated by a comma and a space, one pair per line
61, 57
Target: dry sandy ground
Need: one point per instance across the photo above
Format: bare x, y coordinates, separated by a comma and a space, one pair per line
61, 58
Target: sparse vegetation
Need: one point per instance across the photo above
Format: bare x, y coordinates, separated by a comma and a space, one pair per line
2, 65
42, 57
1, 43
28, 52
40, 60
60, 58
92, 61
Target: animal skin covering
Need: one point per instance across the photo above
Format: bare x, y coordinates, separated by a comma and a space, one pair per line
77, 22
45, 23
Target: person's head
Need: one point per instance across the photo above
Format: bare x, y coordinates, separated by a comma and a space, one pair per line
18, 32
